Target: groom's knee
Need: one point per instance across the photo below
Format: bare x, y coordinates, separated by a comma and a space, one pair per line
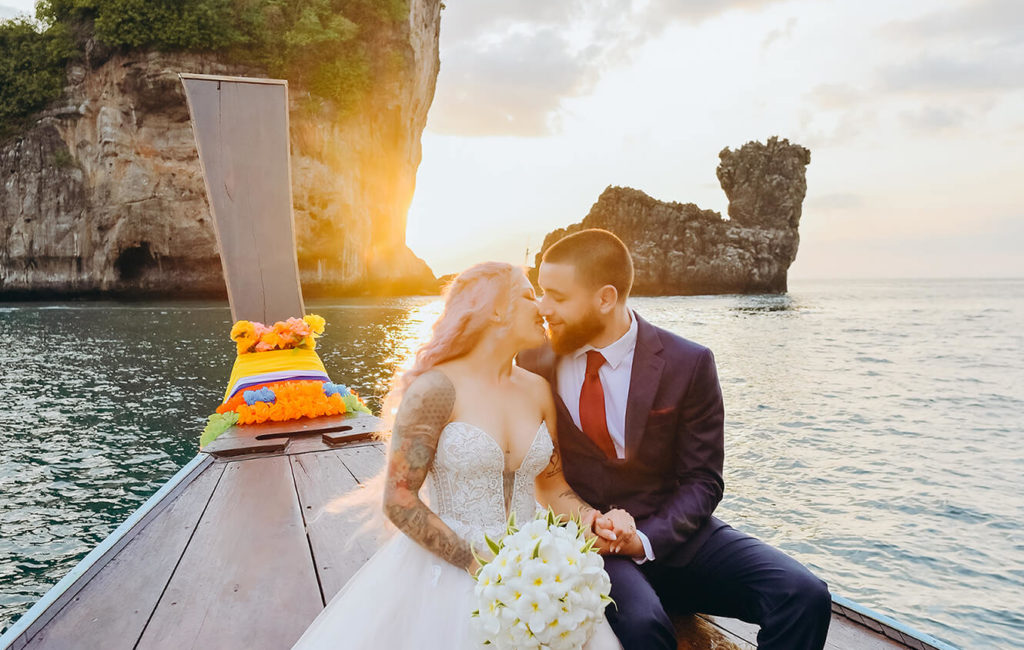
808, 596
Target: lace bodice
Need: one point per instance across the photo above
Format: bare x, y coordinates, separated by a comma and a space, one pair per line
468, 481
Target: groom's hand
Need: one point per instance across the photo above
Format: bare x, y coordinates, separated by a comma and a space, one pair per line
622, 539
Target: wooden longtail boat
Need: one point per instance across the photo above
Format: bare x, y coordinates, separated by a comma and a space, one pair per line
243, 547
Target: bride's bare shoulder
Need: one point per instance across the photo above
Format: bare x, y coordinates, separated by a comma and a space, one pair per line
431, 394
432, 380
536, 386
530, 379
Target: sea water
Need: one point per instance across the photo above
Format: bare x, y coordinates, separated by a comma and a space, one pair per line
873, 429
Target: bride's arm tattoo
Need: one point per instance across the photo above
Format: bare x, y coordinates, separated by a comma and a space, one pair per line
554, 467
567, 500
426, 408
574, 501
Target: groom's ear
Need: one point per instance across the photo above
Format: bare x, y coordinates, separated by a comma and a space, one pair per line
607, 297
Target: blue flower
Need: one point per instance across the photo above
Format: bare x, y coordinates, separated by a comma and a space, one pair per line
331, 389
261, 395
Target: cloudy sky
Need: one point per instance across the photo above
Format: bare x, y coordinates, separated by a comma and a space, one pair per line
913, 112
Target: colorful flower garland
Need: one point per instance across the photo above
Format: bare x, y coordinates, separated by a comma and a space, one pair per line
293, 333
268, 387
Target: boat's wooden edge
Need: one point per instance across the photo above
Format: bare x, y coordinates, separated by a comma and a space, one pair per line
873, 624
61, 593
900, 632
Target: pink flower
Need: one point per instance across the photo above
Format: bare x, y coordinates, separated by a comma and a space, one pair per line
298, 327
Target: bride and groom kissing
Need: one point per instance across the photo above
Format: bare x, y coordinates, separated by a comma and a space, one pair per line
603, 415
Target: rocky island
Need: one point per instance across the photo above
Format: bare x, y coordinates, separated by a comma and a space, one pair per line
679, 249
102, 192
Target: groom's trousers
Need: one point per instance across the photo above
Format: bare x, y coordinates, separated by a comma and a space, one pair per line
732, 575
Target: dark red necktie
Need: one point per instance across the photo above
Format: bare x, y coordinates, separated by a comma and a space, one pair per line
592, 416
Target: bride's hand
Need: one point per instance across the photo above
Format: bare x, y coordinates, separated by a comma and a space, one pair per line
622, 527
599, 525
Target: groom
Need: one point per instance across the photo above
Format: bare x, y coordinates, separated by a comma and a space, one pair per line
640, 427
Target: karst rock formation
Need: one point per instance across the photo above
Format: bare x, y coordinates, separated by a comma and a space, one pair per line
680, 249
103, 192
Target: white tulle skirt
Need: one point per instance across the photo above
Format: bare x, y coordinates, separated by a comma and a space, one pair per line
407, 597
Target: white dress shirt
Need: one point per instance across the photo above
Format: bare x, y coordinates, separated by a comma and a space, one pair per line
614, 374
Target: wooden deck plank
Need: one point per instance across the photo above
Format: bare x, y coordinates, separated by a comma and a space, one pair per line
844, 634
112, 609
701, 632
246, 579
40, 614
339, 545
740, 629
364, 461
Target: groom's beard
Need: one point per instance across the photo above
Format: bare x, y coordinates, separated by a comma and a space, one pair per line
572, 336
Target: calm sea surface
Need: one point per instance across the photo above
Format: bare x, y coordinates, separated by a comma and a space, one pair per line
874, 429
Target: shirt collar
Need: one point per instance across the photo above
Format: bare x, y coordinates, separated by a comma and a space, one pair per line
615, 353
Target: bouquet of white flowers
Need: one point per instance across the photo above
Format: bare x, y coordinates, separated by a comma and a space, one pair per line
546, 586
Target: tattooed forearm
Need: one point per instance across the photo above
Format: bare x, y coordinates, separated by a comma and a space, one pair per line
554, 491
426, 408
573, 501
418, 522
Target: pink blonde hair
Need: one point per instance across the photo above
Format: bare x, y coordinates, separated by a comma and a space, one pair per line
470, 301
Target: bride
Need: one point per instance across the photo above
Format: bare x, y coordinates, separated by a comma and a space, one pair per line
481, 432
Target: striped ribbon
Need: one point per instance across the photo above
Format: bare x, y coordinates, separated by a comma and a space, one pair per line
257, 368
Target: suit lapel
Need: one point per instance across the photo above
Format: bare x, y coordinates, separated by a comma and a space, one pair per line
644, 380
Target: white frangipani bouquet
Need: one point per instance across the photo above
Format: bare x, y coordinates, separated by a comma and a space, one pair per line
546, 586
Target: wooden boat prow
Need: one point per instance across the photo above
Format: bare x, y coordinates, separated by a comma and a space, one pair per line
245, 545
243, 551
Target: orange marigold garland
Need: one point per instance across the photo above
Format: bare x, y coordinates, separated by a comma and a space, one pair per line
292, 400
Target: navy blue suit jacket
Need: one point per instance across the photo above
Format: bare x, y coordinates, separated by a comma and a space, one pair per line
671, 477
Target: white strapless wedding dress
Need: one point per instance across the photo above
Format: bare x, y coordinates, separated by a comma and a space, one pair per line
407, 597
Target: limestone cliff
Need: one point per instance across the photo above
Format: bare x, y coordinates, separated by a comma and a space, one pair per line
679, 249
103, 194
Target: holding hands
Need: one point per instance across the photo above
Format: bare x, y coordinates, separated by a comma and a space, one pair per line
616, 533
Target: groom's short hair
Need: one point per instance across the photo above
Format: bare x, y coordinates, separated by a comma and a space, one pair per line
599, 257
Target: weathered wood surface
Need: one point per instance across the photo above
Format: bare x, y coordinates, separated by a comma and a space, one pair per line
339, 536
247, 578
843, 634
249, 552
702, 633
307, 434
112, 609
54, 601
241, 130
364, 461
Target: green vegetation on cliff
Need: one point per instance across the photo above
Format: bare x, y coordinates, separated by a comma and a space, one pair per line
31, 69
321, 46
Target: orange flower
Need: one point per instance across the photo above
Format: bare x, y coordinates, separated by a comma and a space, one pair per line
316, 323
295, 399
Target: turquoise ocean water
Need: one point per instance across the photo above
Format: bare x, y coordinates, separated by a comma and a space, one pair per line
875, 429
